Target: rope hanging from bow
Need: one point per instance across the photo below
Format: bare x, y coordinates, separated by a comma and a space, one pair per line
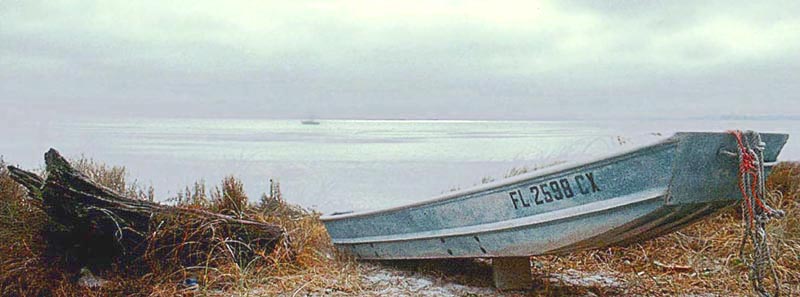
755, 213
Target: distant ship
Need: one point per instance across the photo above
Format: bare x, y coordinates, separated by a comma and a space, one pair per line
310, 122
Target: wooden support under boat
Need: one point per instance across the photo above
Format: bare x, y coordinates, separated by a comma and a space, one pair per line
512, 273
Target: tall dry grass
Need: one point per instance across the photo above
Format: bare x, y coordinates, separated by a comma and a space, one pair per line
113, 177
180, 247
22, 252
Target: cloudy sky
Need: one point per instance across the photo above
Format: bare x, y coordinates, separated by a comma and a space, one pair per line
400, 59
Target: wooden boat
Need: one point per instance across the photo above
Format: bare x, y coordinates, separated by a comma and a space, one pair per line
615, 200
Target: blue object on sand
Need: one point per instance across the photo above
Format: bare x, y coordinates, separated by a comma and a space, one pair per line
190, 283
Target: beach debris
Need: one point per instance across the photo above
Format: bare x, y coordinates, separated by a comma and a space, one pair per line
93, 224
672, 267
89, 280
190, 284
32, 182
577, 278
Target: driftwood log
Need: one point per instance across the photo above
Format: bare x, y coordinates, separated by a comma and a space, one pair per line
92, 223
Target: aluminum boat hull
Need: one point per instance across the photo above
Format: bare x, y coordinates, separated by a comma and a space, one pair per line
616, 200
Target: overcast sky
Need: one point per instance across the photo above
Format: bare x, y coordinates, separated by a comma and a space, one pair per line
400, 59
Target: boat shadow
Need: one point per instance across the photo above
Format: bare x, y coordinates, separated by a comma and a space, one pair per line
467, 272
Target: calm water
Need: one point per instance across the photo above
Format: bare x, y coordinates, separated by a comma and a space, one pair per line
341, 165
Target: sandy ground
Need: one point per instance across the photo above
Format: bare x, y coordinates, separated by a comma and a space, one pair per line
473, 278
388, 281
439, 279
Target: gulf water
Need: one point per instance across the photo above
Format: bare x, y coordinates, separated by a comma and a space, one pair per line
342, 165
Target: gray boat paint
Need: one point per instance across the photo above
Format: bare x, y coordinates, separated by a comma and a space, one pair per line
618, 199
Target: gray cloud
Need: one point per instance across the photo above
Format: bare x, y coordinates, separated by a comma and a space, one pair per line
345, 59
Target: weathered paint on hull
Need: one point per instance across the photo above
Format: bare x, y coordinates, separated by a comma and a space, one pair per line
664, 220
613, 201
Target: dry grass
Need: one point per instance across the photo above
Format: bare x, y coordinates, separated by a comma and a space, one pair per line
699, 259
22, 248
182, 247
113, 177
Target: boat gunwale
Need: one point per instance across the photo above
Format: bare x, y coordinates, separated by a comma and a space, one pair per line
573, 212
573, 165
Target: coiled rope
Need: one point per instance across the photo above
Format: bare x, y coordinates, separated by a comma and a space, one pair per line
755, 213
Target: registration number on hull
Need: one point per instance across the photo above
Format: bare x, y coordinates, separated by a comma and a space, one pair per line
554, 190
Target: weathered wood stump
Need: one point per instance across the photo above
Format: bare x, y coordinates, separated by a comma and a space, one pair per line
93, 224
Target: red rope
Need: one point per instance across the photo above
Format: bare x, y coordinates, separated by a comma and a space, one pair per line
749, 166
